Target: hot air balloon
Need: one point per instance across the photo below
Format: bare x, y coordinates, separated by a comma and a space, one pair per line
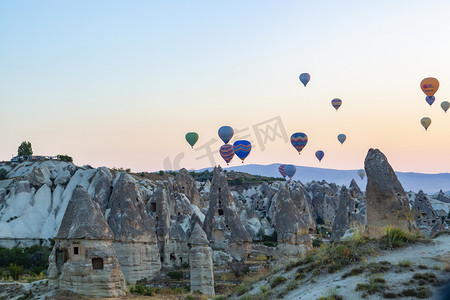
299, 140
319, 155
341, 138
226, 133
290, 170
242, 149
227, 152
336, 102
445, 105
192, 138
304, 78
281, 170
429, 86
430, 99
425, 122
361, 173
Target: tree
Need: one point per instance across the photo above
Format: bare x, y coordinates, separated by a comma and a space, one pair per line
25, 149
64, 157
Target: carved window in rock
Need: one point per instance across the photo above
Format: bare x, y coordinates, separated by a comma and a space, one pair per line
62, 256
220, 204
172, 257
97, 263
153, 207
76, 250
220, 211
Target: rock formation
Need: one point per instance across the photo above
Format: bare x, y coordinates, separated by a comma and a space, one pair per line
348, 216
134, 237
292, 232
427, 220
185, 183
83, 260
386, 201
222, 224
200, 257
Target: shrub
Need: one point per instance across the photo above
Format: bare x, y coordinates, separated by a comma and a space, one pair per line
3, 174
64, 157
270, 244
317, 242
161, 173
353, 272
177, 275
277, 281
404, 263
141, 289
15, 271
424, 292
395, 238
241, 290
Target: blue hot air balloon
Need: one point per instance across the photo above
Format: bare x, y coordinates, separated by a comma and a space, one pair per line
304, 78
430, 99
319, 155
242, 149
290, 170
341, 138
226, 133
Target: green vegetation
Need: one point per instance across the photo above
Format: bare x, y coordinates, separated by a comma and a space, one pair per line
331, 294
396, 238
241, 289
25, 149
3, 174
64, 157
19, 260
15, 271
268, 240
405, 263
141, 289
353, 272
376, 284
235, 178
177, 275
277, 281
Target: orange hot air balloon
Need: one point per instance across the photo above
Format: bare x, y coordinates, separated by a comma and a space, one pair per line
429, 86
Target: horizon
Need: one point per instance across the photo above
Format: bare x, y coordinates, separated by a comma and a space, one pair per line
119, 84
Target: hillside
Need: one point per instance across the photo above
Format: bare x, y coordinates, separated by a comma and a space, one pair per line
429, 183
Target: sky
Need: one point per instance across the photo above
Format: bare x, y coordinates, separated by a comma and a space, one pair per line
120, 83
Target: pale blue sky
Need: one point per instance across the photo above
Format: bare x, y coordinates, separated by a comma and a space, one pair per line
119, 83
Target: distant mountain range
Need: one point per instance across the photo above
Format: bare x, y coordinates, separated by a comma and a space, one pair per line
429, 183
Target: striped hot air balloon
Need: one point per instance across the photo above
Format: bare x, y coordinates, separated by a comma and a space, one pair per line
281, 170
304, 78
242, 149
336, 102
299, 140
227, 153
